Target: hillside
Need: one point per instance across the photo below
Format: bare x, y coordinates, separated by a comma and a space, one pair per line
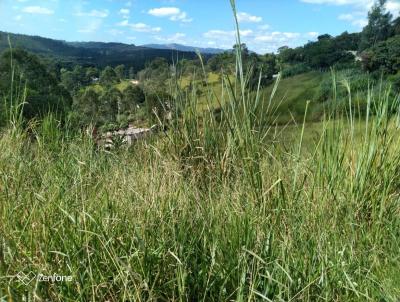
293, 93
90, 53
180, 47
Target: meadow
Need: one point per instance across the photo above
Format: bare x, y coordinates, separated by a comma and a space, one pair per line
219, 207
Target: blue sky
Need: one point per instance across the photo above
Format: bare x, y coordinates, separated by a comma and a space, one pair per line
265, 24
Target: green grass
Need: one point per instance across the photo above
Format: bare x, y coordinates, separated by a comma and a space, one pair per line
293, 94
123, 85
218, 208
213, 86
141, 224
120, 86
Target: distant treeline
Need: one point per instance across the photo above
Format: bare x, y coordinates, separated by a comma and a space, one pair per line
95, 54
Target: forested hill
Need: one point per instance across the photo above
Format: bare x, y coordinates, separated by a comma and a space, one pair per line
180, 47
90, 53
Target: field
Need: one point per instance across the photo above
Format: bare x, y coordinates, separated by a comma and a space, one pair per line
292, 94
215, 209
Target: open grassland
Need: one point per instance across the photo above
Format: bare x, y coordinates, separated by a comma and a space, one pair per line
221, 212
209, 91
219, 207
293, 94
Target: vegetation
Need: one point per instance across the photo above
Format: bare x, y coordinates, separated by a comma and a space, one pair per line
24, 72
227, 203
90, 53
230, 210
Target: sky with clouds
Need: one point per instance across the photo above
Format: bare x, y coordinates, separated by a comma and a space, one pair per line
265, 24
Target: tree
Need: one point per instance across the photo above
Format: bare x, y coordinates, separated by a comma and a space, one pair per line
224, 61
290, 55
86, 107
69, 81
379, 26
324, 37
91, 73
131, 97
155, 75
44, 93
243, 48
347, 41
80, 75
109, 105
75, 79
120, 72
384, 56
132, 73
264, 66
321, 54
396, 26
158, 105
108, 77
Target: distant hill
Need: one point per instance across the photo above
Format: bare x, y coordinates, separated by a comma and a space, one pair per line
180, 47
90, 53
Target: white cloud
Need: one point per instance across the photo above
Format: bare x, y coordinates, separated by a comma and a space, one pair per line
259, 40
175, 38
94, 13
37, 10
164, 11
226, 35
313, 34
393, 7
173, 13
124, 12
361, 23
277, 37
364, 3
91, 27
247, 18
246, 33
226, 38
264, 27
115, 32
139, 27
357, 19
346, 17
18, 18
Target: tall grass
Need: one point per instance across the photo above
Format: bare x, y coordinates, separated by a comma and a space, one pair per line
224, 207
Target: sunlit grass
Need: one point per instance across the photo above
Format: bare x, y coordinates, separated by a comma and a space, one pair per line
220, 207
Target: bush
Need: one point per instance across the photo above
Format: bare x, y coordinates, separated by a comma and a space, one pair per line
395, 80
359, 82
295, 70
44, 93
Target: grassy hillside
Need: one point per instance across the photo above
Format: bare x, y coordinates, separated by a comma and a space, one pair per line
204, 213
293, 93
290, 98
